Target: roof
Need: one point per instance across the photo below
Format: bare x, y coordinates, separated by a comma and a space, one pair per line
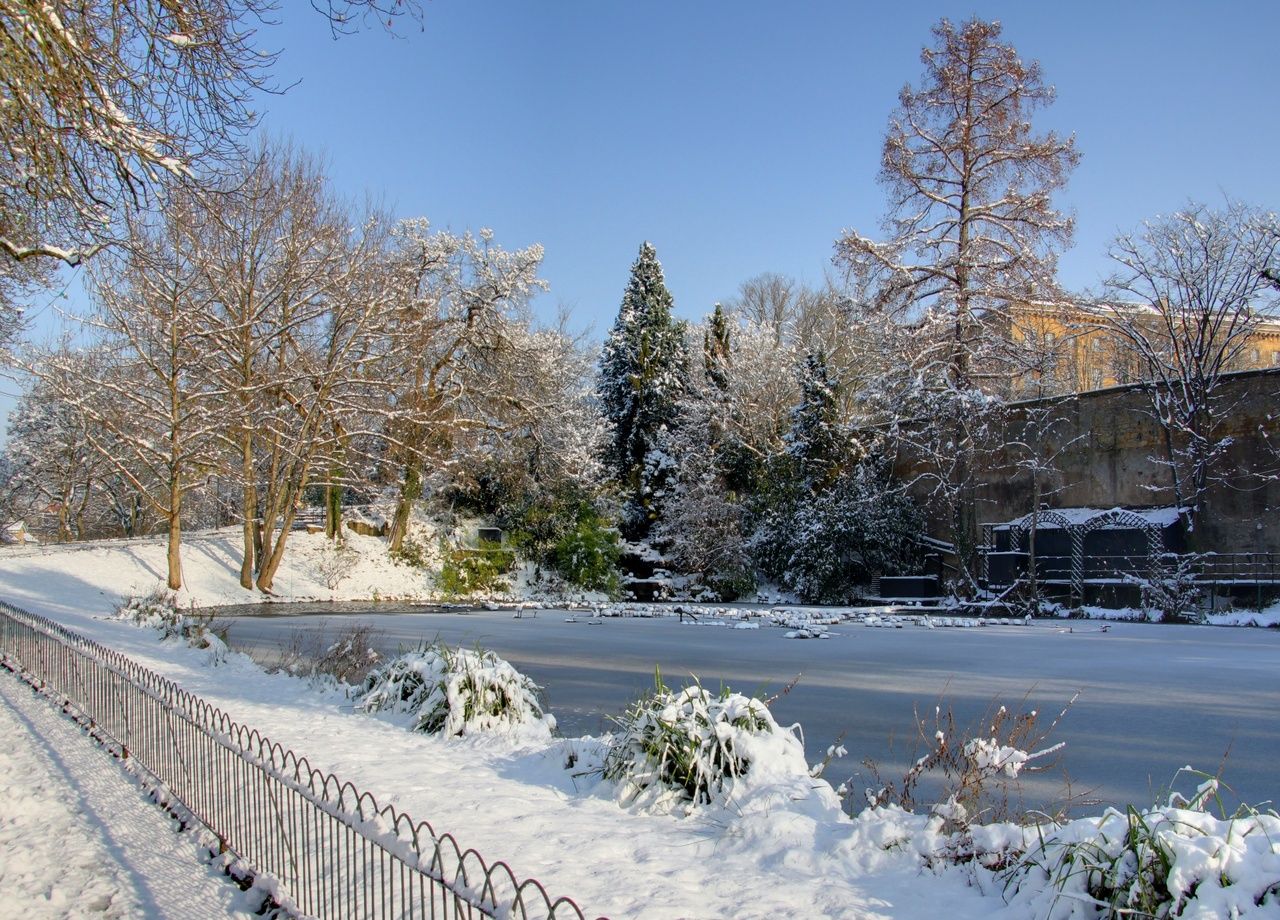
1097, 518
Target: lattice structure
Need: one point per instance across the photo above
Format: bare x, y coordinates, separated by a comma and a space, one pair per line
1077, 529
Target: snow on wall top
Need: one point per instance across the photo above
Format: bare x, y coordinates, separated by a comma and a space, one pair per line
1052, 518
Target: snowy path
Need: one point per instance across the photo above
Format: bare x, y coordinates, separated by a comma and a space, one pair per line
79, 838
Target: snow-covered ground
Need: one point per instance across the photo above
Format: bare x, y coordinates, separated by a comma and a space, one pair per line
783, 847
79, 837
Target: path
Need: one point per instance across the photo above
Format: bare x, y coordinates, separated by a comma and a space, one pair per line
78, 835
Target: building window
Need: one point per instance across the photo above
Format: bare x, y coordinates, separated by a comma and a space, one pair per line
1255, 357
1275, 359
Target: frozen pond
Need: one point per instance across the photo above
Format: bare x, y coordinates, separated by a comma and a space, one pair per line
1152, 698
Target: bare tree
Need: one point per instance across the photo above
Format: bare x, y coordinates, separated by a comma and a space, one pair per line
54, 472
288, 336
1188, 296
451, 327
107, 103
145, 407
971, 224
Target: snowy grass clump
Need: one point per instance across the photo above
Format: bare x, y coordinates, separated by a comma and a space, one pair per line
455, 692
1172, 861
160, 610
681, 749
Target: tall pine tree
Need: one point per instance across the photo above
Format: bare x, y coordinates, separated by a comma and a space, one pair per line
816, 442
644, 371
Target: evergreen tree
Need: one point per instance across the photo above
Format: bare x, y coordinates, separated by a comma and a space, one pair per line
643, 374
715, 350
816, 443
702, 530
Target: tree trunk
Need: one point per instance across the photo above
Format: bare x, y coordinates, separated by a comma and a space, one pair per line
333, 511
249, 510
274, 555
410, 492
175, 536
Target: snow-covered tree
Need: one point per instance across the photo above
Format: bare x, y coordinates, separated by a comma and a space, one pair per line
534, 470
107, 103
290, 337
829, 516
146, 410
461, 359
54, 473
860, 526
1190, 292
971, 225
704, 527
644, 372
816, 443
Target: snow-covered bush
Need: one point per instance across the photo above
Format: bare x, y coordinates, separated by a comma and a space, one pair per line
159, 610
1172, 861
456, 692
1170, 593
690, 747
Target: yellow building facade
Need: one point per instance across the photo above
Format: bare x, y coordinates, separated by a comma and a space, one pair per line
1068, 347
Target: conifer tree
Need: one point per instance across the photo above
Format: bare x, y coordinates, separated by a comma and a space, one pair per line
971, 228
643, 374
715, 350
815, 442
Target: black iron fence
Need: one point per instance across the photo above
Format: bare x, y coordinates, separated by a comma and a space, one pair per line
330, 849
1245, 568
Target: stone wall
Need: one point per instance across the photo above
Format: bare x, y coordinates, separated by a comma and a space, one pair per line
1110, 438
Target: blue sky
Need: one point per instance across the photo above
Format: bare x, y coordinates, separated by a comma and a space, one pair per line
741, 137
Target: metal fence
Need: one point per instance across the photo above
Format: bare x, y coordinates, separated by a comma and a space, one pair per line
331, 849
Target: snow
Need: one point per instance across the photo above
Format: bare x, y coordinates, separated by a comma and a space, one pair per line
1051, 519
1268, 616
777, 845
457, 692
65, 848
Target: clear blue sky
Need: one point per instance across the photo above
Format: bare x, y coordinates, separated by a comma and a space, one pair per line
741, 137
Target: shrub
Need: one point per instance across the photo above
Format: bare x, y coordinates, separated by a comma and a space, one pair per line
1165, 862
456, 692
412, 553
587, 556
311, 653
978, 771
471, 571
1170, 593
350, 658
336, 562
691, 747
159, 610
